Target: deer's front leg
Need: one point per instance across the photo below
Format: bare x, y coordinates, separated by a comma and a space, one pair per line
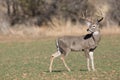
92, 60
88, 64
88, 59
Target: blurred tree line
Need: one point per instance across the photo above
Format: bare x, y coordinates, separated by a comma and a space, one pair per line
41, 12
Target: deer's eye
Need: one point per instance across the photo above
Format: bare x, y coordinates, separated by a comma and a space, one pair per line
93, 26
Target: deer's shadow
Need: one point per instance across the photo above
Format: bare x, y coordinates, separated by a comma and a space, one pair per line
83, 70
59, 71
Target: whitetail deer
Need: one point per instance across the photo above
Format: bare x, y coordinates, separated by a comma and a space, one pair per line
86, 43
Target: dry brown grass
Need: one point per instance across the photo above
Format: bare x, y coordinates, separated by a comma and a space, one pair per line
60, 28
110, 30
80, 31
34, 33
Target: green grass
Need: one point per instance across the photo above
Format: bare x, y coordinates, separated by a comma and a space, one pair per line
22, 60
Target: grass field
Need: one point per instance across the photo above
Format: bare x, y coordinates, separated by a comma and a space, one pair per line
29, 60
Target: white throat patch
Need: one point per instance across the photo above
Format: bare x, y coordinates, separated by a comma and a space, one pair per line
96, 33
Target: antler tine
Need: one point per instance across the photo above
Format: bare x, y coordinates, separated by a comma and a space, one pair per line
90, 19
83, 16
101, 15
100, 12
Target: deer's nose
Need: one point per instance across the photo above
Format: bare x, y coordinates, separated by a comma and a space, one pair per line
87, 29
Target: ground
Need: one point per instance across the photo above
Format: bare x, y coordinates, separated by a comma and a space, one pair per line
29, 60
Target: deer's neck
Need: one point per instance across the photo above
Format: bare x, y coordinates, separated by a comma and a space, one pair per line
96, 36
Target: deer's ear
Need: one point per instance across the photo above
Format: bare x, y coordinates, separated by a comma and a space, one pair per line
100, 20
88, 23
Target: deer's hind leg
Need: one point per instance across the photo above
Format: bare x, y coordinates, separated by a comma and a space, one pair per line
56, 54
62, 58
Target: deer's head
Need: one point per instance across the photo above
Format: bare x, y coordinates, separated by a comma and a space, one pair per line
94, 26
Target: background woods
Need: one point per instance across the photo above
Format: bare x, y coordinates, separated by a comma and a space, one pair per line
51, 12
